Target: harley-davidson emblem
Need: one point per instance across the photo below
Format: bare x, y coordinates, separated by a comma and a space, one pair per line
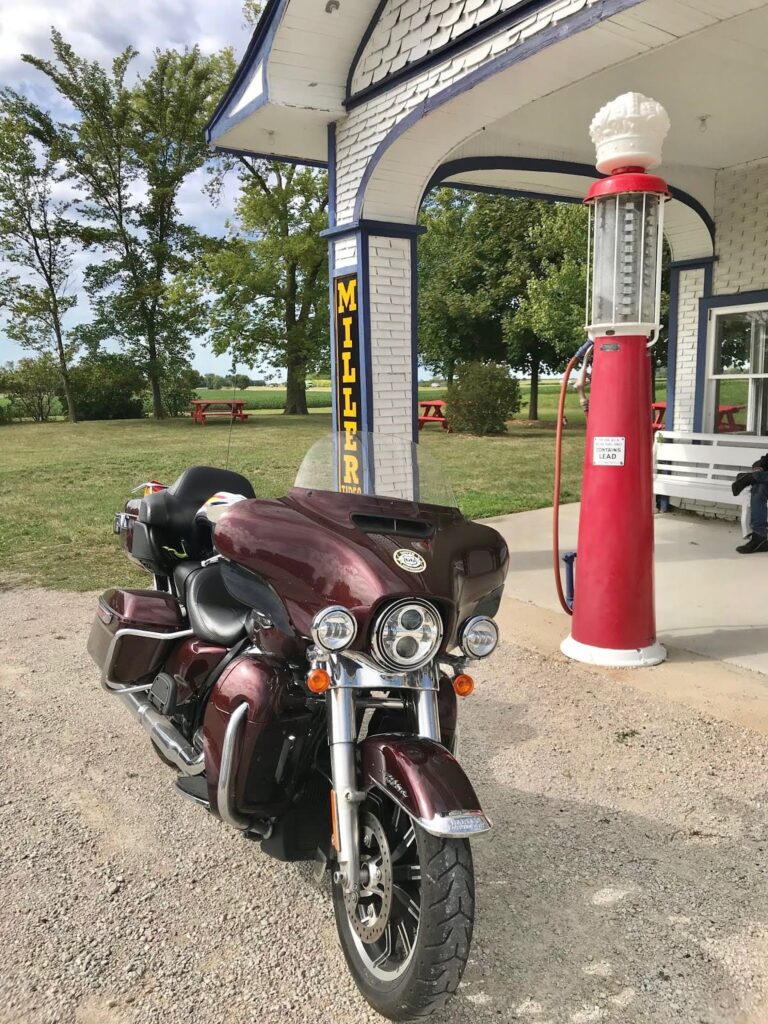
409, 560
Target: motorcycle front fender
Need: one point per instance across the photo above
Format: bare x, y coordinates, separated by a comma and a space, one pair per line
426, 780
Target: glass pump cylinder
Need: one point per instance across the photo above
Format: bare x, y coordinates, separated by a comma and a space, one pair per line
625, 244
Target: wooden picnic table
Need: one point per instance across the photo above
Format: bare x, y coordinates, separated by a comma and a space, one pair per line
433, 411
726, 422
231, 408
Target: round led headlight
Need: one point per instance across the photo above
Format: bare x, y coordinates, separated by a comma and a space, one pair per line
334, 628
407, 635
479, 636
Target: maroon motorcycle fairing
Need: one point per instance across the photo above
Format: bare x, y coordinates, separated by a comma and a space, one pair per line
308, 548
190, 664
420, 774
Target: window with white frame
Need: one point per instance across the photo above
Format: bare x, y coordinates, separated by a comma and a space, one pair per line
737, 392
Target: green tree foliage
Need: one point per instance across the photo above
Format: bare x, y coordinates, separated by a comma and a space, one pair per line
266, 286
107, 386
457, 322
501, 279
546, 324
128, 150
31, 385
482, 399
35, 239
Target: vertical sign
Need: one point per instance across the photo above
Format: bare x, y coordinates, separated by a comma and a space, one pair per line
348, 390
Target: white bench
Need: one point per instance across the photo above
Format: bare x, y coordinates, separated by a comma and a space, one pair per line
703, 466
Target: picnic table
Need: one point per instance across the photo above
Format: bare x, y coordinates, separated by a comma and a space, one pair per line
726, 422
232, 408
433, 411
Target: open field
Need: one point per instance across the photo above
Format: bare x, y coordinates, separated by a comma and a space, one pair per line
60, 484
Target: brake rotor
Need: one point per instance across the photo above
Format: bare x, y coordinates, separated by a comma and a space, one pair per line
369, 911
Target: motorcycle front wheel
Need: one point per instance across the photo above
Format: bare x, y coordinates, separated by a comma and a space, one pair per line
406, 939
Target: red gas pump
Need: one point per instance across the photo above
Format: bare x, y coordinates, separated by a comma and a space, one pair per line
613, 611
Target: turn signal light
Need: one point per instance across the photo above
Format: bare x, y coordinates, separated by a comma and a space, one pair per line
463, 685
318, 680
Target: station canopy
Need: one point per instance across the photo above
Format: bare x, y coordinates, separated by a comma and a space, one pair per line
526, 130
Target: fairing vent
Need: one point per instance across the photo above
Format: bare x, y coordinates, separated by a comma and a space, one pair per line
386, 524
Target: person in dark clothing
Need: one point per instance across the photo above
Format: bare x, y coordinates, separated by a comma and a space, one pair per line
757, 479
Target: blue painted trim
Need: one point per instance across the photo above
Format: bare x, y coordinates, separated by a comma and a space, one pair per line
705, 304
415, 341
321, 164
697, 263
384, 228
364, 332
578, 22
258, 47
513, 193
332, 175
526, 163
375, 17
332, 309
500, 22
674, 294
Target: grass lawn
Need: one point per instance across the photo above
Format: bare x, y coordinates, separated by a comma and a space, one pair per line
60, 484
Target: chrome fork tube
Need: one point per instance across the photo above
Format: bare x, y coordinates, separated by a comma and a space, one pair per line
427, 714
342, 736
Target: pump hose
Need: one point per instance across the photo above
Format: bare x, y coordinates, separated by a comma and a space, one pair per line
558, 473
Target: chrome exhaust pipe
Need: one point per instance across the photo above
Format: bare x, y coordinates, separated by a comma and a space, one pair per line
165, 736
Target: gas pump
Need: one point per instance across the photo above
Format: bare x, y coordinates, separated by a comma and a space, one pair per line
613, 609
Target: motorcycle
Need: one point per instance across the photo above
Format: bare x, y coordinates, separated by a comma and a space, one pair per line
297, 663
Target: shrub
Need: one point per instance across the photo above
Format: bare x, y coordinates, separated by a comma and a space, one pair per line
31, 386
178, 389
106, 386
6, 414
483, 397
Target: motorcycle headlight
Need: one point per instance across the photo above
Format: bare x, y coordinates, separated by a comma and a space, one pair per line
479, 636
407, 635
334, 628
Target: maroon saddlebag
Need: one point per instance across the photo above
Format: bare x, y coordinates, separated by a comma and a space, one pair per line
127, 657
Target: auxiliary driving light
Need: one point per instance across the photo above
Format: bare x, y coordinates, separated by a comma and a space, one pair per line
479, 636
334, 628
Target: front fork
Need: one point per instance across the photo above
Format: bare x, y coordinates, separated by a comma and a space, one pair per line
347, 794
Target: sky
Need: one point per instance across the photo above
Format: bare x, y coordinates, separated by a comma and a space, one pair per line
99, 31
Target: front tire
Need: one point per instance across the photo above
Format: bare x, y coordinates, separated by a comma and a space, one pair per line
407, 939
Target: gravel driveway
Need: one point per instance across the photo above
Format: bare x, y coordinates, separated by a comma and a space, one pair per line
625, 880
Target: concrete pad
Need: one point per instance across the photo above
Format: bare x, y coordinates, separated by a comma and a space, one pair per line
710, 600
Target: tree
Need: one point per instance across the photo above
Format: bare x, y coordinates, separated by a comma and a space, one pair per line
455, 324
129, 150
31, 386
546, 325
267, 282
502, 280
35, 238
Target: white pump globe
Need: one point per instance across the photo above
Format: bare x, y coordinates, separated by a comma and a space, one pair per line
629, 132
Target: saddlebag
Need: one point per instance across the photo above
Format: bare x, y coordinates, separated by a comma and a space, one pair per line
116, 643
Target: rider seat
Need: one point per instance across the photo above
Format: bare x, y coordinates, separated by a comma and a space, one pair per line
214, 615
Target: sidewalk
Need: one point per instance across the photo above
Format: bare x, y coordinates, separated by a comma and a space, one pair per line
711, 609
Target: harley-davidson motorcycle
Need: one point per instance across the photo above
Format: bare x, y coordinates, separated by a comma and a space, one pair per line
297, 663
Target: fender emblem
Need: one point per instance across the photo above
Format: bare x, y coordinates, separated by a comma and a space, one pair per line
392, 782
409, 560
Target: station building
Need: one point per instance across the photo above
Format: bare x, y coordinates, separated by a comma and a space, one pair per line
394, 97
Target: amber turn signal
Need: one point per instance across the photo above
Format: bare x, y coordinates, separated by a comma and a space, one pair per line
463, 685
318, 680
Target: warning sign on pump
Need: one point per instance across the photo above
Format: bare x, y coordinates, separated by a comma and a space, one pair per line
608, 451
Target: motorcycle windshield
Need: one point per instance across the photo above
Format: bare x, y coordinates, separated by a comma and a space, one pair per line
377, 464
